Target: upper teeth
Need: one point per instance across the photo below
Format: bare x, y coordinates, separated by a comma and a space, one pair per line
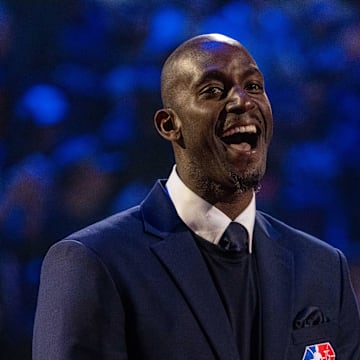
240, 129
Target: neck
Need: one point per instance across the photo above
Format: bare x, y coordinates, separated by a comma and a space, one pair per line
234, 205
232, 202
231, 199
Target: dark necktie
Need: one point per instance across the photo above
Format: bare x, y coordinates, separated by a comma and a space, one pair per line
235, 238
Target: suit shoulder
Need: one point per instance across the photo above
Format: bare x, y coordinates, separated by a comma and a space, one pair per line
294, 237
114, 226
109, 243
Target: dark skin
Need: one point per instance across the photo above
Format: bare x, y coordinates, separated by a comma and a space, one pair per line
218, 118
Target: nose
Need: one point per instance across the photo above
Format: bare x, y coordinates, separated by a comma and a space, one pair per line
239, 100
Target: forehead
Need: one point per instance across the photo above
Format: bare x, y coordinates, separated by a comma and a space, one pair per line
209, 58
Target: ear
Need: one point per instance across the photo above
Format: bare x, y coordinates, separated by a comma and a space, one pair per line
168, 124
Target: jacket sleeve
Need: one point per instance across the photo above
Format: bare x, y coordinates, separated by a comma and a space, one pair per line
349, 320
79, 312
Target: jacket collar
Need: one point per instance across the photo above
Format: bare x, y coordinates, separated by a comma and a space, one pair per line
159, 214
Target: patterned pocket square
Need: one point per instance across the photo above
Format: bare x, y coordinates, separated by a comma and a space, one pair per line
309, 316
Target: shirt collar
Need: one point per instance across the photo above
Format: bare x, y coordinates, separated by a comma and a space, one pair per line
203, 218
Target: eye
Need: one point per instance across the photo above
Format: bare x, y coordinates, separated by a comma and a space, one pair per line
212, 91
254, 87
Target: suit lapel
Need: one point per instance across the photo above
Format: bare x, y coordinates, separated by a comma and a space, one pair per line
182, 259
275, 264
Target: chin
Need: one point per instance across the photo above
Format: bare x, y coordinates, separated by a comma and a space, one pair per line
245, 184
247, 181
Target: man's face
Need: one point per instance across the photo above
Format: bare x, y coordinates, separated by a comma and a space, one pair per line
225, 116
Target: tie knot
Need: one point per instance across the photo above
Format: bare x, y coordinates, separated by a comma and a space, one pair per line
235, 238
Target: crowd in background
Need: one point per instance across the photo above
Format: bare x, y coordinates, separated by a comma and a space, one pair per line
79, 84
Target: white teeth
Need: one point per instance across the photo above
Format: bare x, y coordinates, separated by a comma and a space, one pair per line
251, 129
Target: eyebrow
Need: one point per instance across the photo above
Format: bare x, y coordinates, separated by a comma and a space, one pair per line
214, 74
254, 71
210, 75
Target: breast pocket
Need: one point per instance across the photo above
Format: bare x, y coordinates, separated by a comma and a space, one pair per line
305, 338
315, 334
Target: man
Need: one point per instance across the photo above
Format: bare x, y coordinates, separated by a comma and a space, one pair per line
161, 281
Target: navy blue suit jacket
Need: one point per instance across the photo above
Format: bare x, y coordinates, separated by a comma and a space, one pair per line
135, 286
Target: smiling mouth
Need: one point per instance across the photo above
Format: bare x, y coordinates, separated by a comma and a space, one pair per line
245, 137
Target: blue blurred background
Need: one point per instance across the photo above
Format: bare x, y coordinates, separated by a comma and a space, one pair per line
79, 84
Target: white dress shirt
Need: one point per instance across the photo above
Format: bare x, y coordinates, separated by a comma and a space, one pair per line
203, 218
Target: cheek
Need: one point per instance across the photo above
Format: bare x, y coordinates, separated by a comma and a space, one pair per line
198, 130
266, 113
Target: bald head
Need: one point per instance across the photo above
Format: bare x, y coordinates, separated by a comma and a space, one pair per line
212, 88
183, 57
